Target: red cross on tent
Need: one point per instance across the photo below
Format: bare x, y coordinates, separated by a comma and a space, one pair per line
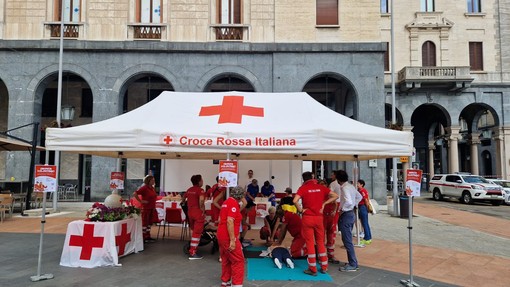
122, 239
231, 110
86, 242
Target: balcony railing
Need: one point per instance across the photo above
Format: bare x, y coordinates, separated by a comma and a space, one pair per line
71, 30
416, 77
147, 31
230, 32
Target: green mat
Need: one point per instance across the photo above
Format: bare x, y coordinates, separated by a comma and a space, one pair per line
264, 269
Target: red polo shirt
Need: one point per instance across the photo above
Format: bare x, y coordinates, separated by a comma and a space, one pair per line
313, 196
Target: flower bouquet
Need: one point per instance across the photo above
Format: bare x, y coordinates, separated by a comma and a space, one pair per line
101, 212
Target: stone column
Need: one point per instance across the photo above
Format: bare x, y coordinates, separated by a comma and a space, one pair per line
500, 156
453, 149
504, 133
474, 142
432, 147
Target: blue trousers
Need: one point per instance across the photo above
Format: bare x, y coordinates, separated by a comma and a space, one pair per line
346, 222
363, 217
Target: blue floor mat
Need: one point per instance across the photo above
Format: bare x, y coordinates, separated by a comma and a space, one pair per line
255, 248
264, 269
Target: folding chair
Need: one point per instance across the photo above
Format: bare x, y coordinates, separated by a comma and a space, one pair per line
172, 216
6, 205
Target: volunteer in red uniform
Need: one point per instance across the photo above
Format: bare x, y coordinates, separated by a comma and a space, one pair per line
231, 253
313, 199
148, 200
291, 222
218, 196
195, 196
330, 222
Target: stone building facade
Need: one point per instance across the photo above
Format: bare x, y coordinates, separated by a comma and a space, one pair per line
120, 54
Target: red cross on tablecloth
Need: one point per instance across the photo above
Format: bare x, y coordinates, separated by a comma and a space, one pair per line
231, 110
122, 239
86, 242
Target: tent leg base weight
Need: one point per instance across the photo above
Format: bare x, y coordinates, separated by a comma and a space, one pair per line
41, 277
408, 283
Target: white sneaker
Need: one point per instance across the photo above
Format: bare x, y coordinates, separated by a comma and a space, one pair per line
290, 263
278, 263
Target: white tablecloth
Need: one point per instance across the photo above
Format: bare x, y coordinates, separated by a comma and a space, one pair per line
162, 205
93, 244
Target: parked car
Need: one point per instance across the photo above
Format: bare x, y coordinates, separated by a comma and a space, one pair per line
506, 188
466, 187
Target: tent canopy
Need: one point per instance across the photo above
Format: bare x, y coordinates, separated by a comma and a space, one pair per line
178, 125
7, 144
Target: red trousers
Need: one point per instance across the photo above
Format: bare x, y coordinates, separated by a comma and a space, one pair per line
313, 232
215, 214
298, 247
330, 224
232, 263
149, 216
196, 222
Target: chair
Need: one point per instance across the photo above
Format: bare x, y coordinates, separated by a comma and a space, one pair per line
37, 199
70, 192
172, 216
6, 205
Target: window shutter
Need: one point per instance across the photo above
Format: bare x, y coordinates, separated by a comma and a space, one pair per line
327, 12
476, 56
428, 54
237, 12
387, 57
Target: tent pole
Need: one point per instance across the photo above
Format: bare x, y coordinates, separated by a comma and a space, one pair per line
355, 177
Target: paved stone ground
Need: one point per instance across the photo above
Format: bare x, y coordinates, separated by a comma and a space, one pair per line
449, 248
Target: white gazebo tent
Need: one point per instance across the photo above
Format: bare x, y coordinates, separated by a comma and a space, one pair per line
178, 125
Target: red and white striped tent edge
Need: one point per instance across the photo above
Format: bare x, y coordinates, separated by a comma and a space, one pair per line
180, 125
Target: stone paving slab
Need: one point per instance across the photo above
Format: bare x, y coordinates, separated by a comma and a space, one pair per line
445, 251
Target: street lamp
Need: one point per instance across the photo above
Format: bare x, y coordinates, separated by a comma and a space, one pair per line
67, 113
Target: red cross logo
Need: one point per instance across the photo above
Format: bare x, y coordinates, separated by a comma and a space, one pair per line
166, 139
86, 242
231, 110
122, 239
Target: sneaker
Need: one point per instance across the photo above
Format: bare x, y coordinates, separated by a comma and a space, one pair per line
149, 240
324, 271
290, 263
333, 260
195, 257
362, 234
278, 263
348, 268
310, 272
366, 242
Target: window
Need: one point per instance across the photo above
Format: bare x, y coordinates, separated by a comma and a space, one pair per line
427, 6
49, 103
72, 10
387, 58
149, 11
476, 56
327, 12
86, 103
428, 54
474, 6
385, 7
229, 11
453, 178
